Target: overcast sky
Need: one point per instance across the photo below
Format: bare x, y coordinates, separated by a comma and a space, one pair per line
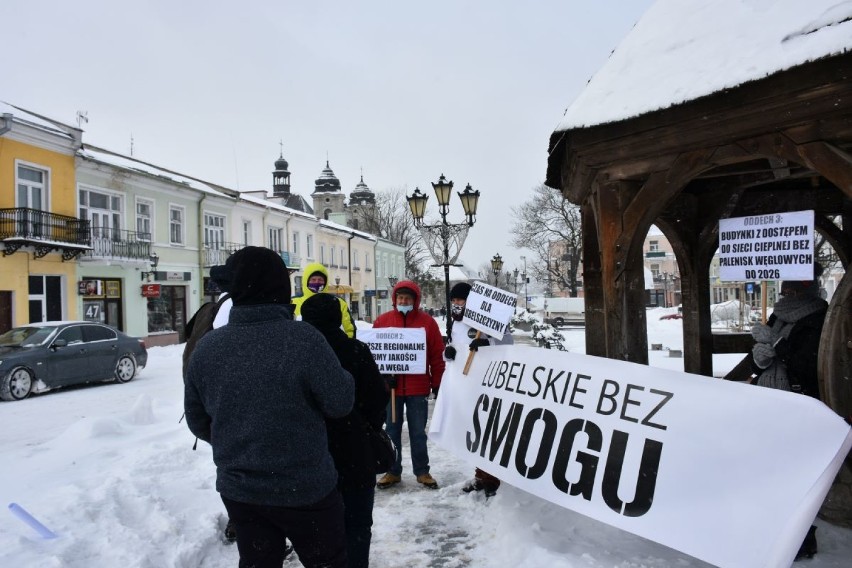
471, 89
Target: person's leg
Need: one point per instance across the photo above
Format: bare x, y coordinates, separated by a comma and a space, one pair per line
394, 430
417, 412
359, 520
316, 531
260, 542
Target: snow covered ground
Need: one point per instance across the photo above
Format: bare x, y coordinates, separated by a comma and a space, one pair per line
112, 472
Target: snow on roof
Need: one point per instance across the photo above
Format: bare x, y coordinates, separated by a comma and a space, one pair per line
36, 120
125, 162
346, 229
277, 206
684, 49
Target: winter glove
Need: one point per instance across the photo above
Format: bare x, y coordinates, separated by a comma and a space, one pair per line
391, 381
762, 333
450, 353
479, 342
763, 355
435, 392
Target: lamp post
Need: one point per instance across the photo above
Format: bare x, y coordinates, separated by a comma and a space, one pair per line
443, 237
515, 272
524, 276
154, 260
496, 267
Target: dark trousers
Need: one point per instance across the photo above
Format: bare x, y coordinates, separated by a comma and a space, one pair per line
359, 521
316, 531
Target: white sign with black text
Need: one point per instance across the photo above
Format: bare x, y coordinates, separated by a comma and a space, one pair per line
767, 247
397, 350
489, 309
643, 448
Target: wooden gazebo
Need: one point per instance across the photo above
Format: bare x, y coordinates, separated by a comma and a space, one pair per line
782, 142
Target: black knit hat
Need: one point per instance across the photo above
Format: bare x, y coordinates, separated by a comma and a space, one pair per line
803, 287
460, 291
259, 277
223, 274
322, 311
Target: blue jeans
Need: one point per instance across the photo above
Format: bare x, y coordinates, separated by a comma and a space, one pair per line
416, 412
358, 518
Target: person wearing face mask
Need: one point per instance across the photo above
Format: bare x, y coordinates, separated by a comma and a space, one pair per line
316, 283
412, 391
461, 340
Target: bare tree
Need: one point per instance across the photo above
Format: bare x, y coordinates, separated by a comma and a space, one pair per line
391, 219
549, 226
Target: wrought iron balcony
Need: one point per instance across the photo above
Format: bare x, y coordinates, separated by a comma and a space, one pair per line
45, 231
116, 244
218, 252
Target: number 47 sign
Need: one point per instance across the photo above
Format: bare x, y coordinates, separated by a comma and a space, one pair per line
767, 247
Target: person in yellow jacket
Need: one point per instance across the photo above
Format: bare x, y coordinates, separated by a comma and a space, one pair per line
314, 283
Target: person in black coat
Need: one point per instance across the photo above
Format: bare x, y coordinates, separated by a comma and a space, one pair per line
347, 436
786, 351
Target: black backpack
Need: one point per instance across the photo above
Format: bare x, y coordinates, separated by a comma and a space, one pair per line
200, 323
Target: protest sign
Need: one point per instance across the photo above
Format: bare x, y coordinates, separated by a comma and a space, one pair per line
489, 309
643, 449
767, 247
397, 350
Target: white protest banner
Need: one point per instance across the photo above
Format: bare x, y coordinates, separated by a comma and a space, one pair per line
397, 350
489, 309
767, 247
730, 473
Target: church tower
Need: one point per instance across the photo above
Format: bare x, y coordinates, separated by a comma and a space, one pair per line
328, 197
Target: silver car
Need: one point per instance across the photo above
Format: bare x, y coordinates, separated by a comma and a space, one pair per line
39, 357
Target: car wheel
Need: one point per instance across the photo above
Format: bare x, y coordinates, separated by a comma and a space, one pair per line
125, 369
17, 384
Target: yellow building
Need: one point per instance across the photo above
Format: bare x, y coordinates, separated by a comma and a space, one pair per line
40, 233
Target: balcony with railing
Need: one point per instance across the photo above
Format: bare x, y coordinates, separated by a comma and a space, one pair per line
116, 244
218, 252
45, 231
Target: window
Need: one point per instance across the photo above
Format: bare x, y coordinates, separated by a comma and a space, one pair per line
32, 188
276, 238
296, 243
367, 262
654, 246
355, 261
331, 250
214, 231
177, 215
655, 270
103, 210
322, 254
344, 262
246, 233
310, 247
144, 219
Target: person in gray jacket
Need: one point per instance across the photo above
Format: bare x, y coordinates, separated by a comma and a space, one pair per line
259, 390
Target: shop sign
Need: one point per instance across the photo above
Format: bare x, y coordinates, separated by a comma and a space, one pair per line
150, 290
369, 293
383, 294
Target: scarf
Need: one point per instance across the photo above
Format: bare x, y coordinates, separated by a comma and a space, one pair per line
788, 310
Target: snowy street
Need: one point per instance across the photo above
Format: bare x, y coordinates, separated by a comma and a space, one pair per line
112, 472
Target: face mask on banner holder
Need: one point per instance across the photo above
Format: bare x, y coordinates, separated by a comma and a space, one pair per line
316, 288
404, 309
457, 311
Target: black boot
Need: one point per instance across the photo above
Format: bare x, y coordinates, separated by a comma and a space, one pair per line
809, 545
230, 532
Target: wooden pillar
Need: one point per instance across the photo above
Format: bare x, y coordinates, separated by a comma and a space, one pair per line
593, 285
622, 277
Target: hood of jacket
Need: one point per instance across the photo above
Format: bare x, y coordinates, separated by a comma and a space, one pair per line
410, 284
313, 268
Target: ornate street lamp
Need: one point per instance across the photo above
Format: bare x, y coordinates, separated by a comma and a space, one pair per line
154, 260
393, 280
496, 266
442, 238
515, 272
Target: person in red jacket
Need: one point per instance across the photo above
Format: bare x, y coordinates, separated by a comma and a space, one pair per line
412, 391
